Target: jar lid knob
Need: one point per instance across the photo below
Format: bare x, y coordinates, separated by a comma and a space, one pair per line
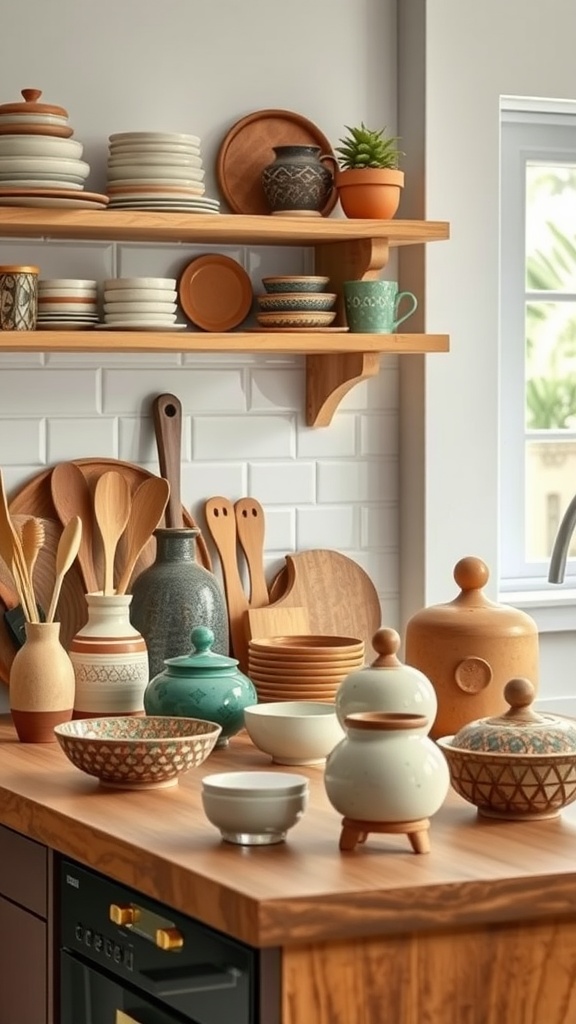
31, 95
471, 573
202, 639
519, 693
386, 642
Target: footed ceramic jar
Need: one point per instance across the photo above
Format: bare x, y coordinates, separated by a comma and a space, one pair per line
386, 769
387, 685
204, 685
110, 660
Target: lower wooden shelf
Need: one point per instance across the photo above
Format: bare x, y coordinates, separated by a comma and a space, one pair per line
334, 362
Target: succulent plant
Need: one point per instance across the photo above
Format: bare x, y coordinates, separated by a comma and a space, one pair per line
366, 148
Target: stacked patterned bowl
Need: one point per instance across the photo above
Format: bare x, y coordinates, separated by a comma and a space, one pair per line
140, 304
302, 667
296, 303
67, 304
157, 171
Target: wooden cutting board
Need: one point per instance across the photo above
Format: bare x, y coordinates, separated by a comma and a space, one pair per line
340, 596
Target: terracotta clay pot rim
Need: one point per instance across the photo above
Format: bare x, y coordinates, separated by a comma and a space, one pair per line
385, 720
369, 176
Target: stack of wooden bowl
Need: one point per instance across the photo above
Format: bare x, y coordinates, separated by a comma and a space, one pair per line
302, 667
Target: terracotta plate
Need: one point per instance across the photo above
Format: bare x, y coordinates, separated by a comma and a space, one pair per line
57, 130
248, 148
215, 292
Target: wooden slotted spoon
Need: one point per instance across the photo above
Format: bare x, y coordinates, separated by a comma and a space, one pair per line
112, 501
221, 523
148, 505
250, 526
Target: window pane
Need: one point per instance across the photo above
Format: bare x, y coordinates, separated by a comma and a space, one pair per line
551, 227
550, 366
550, 485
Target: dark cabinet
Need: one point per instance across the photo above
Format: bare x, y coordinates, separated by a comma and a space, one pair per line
24, 945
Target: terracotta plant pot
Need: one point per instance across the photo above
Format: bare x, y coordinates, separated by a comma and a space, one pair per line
369, 193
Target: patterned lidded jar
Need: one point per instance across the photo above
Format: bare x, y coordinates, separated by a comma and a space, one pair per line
18, 298
297, 181
110, 660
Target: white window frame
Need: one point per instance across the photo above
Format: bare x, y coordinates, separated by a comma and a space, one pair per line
530, 129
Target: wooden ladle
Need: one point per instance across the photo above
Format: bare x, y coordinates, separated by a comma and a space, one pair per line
66, 552
112, 501
148, 505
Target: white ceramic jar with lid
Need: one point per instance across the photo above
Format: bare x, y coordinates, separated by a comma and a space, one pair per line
387, 685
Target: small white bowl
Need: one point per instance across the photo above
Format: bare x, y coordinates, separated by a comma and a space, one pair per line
139, 282
156, 159
40, 145
66, 282
140, 295
45, 164
294, 732
254, 808
159, 138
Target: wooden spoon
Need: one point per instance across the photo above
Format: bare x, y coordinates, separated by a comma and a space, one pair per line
148, 505
250, 526
221, 523
71, 497
112, 501
167, 416
68, 547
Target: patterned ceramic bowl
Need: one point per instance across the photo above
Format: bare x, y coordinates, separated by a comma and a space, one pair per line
297, 302
147, 752
295, 283
295, 320
520, 765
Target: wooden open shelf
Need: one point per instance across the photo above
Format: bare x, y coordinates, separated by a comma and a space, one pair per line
344, 250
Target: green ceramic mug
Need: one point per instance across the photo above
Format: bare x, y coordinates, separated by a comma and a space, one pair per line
372, 306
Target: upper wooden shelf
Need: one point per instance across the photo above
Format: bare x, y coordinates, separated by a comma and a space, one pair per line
139, 226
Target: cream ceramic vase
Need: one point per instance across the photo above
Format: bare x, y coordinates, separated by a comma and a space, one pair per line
386, 769
41, 684
110, 660
387, 685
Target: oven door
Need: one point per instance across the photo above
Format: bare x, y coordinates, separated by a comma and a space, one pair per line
88, 996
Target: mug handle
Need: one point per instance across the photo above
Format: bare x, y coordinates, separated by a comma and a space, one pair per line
413, 308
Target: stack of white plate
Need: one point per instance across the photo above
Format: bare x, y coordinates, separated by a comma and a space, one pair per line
157, 171
140, 304
36, 162
67, 304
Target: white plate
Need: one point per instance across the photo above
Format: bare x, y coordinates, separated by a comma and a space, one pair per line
141, 325
186, 195
153, 159
79, 309
111, 283
130, 200
45, 201
142, 314
140, 295
62, 315
32, 118
136, 150
192, 210
145, 306
54, 164
158, 137
160, 172
40, 145
14, 181
82, 283
66, 325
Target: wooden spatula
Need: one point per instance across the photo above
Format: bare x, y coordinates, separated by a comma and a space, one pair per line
221, 523
68, 547
148, 504
71, 497
112, 502
250, 528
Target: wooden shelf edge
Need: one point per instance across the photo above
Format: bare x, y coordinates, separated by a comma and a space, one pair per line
142, 226
232, 342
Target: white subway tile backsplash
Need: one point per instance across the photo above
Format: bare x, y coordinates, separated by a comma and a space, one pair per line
137, 440
113, 359
91, 260
275, 261
21, 441
198, 391
280, 530
358, 481
203, 480
80, 438
243, 437
379, 526
44, 392
166, 260
338, 440
282, 483
21, 360
327, 526
277, 388
379, 433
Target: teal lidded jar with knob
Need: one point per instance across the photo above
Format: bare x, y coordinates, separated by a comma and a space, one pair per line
202, 684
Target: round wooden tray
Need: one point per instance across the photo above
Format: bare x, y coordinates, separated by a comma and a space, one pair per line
248, 148
215, 292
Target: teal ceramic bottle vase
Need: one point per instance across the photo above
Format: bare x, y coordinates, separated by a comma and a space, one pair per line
203, 684
175, 594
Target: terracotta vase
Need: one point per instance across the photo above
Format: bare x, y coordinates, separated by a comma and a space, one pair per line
41, 684
110, 660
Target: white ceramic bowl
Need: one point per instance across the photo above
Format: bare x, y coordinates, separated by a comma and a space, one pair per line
140, 282
45, 164
254, 808
137, 149
155, 160
140, 307
294, 732
140, 295
66, 307
66, 282
159, 138
39, 145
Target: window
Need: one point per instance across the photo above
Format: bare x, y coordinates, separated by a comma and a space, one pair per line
537, 338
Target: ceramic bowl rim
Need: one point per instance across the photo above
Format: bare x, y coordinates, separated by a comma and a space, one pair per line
504, 757
257, 784
63, 730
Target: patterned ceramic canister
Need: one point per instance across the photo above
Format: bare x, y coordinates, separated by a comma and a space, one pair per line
110, 660
18, 298
297, 181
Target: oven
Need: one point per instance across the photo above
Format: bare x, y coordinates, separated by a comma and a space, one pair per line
127, 959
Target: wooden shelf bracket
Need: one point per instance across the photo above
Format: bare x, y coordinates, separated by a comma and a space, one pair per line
330, 377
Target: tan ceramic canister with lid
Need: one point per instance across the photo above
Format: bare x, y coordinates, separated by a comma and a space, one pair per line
469, 648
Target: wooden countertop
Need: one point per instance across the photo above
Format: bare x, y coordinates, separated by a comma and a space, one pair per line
304, 890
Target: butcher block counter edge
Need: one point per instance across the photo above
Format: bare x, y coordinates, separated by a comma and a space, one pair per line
304, 890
